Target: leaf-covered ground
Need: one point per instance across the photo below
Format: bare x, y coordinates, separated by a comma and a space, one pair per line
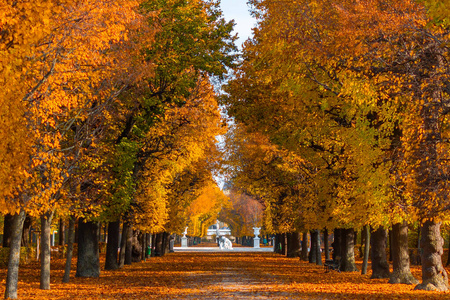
224, 275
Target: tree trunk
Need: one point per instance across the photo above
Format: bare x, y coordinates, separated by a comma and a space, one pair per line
46, 222
313, 249
380, 265
88, 264
158, 244
111, 262
123, 243
70, 241
366, 249
325, 242
7, 230
318, 248
12, 276
305, 246
348, 250
434, 276
400, 256
129, 246
26, 231
336, 244
153, 245
391, 253
62, 232
136, 252
293, 244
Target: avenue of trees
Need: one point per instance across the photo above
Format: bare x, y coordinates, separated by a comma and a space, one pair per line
108, 115
341, 122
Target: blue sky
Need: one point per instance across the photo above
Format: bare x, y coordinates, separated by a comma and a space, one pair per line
238, 10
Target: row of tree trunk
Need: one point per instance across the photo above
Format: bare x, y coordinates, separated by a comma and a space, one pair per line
296, 244
131, 246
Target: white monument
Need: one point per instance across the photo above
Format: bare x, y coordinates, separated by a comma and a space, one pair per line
256, 238
184, 240
225, 243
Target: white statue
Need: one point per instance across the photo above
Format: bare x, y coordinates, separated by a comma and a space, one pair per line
185, 232
225, 243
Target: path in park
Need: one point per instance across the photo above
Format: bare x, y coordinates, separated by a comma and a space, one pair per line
231, 276
210, 273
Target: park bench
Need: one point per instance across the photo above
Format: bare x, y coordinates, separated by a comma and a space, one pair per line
333, 264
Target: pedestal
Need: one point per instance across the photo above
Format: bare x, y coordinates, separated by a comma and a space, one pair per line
256, 242
184, 242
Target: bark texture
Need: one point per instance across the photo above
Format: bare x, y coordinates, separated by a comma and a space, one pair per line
70, 241
62, 232
336, 244
88, 263
366, 249
293, 244
304, 254
400, 256
111, 262
326, 246
348, 250
46, 222
434, 276
123, 243
7, 230
315, 247
380, 265
12, 276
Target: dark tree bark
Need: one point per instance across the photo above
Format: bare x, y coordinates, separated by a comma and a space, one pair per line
166, 244
318, 248
88, 263
26, 231
304, 254
123, 243
46, 222
70, 241
391, 254
7, 230
434, 276
62, 232
293, 244
111, 261
129, 246
366, 249
337, 242
158, 244
326, 244
12, 276
153, 245
136, 245
400, 256
348, 250
380, 265
313, 250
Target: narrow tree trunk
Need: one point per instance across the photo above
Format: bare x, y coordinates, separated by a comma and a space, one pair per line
111, 262
434, 276
391, 251
123, 243
348, 251
337, 242
158, 244
400, 256
318, 248
26, 231
88, 263
313, 249
7, 230
366, 249
293, 244
305, 246
62, 232
129, 246
70, 241
12, 277
363, 241
153, 245
46, 222
326, 245
380, 265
